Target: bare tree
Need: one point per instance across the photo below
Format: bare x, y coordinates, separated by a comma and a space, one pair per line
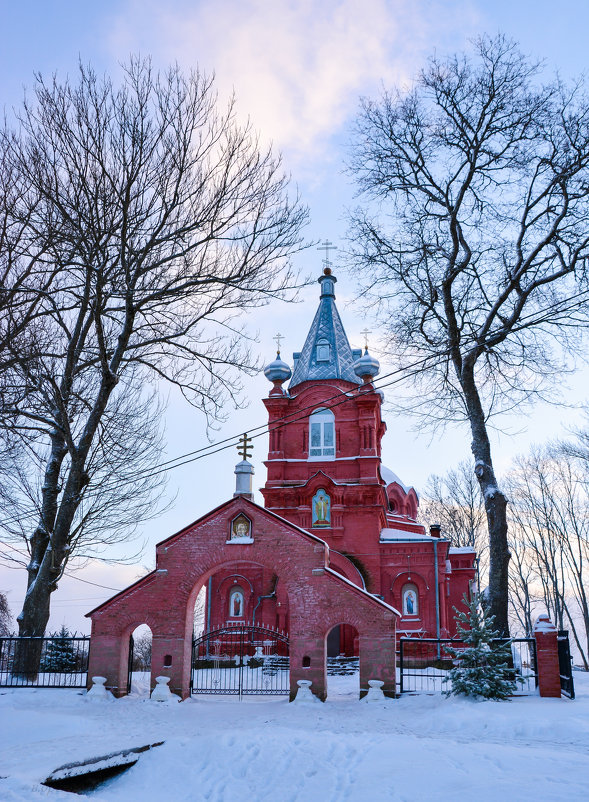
124, 484
142, 652
522, 578
159, 221
455, 501
472, 243
549, 491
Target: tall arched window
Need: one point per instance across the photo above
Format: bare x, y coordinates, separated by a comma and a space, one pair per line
323, 351
322, 434
410, 600
236, 603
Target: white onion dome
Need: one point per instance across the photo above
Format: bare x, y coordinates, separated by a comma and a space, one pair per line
367, 367
277, 370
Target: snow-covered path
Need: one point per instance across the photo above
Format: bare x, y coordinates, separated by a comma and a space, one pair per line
415, 748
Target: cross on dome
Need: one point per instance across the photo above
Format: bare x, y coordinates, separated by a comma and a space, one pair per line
327, 246
366, 332
245, 446
277, 338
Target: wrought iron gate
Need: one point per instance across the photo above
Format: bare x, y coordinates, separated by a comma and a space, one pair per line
241, 660
565, 664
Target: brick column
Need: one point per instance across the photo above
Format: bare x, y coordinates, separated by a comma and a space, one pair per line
109, 657
307, 661
547, 656
377, 661
169, 659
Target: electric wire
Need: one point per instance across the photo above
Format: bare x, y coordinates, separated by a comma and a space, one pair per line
341, 397
261, 430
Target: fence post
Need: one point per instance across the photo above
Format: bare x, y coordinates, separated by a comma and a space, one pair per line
547, 656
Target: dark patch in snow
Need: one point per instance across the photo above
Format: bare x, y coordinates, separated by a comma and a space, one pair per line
87, 775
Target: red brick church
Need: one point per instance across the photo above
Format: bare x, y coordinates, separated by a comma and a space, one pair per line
335, 559
326, 476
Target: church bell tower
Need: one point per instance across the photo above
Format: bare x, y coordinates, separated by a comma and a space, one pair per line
325, 443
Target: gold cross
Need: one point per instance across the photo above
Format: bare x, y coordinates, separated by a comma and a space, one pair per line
244, 446
327, 246
366, 333
277, 338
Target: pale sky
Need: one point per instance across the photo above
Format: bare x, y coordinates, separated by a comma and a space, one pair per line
298, 68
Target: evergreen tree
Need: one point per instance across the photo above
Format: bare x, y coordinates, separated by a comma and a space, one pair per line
484, 668
59, 654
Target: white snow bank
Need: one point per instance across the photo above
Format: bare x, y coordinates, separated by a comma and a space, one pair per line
415, 748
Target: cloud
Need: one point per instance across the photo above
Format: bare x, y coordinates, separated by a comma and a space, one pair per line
297, 66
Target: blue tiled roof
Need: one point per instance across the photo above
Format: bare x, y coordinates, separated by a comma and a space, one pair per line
326, 353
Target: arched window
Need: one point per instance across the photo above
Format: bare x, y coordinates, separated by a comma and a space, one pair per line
236, 603
410, 600
322, 434
323, 351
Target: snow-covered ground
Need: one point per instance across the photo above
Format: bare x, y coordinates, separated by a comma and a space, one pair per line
222, 750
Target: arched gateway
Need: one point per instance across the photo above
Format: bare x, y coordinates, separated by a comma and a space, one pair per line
336, 550
299, 561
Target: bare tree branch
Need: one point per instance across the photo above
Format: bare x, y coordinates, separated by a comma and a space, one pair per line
473, 243
149, 220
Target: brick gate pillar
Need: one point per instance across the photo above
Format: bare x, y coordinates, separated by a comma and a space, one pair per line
547, 656
307, 661
170, 657
109, 657
378, 661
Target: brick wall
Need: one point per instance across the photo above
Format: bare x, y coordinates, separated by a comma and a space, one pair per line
318, 599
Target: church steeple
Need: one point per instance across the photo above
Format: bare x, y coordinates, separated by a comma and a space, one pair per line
326, 353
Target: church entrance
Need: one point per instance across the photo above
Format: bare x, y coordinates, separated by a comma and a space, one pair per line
241, 660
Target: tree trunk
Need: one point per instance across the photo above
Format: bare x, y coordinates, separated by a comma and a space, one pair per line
495, 505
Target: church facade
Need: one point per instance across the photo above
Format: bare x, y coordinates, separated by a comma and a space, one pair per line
335, 559
325, 475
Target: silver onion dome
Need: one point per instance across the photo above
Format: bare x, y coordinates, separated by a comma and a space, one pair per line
367, 367
277, 370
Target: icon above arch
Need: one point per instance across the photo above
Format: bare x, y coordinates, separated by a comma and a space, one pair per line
241, 529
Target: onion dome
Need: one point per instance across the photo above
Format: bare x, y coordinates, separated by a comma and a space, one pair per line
367, 367
277, 372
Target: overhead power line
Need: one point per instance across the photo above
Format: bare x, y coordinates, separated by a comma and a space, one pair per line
341, 397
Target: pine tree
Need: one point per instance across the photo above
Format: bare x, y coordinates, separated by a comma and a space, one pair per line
59, 654
484, 668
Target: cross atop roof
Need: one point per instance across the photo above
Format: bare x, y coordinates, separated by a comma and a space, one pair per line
245, 446
327, 246
277, 339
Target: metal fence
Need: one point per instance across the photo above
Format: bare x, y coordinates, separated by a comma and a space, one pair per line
424, 664
51, 662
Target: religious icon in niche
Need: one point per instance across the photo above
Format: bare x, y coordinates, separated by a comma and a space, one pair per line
321, 508
410, 600
241, 528
236, 603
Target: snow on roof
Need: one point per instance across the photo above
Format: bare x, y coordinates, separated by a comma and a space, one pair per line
387, 535
461, 550
364, 592
390, 477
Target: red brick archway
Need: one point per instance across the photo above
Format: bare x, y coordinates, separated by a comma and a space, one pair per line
164, 600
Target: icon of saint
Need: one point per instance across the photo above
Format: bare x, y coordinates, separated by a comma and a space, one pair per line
321, 508
241, 529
